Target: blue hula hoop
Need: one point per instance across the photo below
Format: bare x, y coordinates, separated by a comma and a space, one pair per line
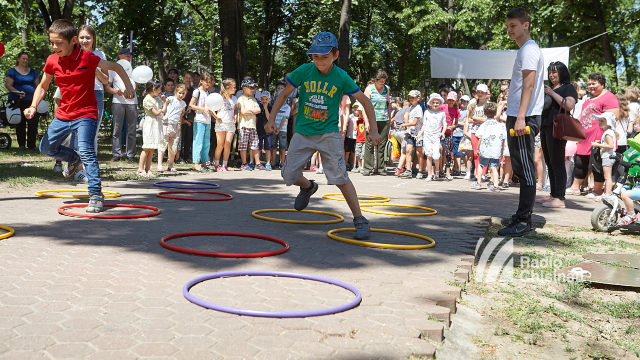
209, 185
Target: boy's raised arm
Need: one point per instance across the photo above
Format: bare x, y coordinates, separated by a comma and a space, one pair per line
370, 116
38, 95
270, 127
129, 93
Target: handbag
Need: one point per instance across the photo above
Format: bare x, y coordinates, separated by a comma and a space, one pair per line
565, 127
596, 160
465, 145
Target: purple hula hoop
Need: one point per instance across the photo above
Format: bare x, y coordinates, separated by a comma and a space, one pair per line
209, 185
271, 314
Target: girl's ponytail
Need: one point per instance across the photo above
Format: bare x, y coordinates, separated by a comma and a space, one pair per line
226, 83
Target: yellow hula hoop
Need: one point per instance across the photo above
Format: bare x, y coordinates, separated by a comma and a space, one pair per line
42, 193
340, 218
432, 211
382, 198
432, 242
9, 234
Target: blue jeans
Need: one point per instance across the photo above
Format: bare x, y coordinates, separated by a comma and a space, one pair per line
85, 129
100, 100
201, 142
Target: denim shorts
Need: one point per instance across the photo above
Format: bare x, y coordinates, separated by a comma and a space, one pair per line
279, 139
491, 162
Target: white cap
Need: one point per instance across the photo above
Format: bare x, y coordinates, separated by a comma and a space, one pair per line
483, 88
465, 98
611, 119
435, 96
414, 93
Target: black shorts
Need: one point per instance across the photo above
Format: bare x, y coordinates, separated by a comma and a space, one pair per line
349, 145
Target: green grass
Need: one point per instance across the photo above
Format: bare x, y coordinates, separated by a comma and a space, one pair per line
621, 310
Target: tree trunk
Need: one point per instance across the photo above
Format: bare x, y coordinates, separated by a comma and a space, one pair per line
450, 25
606, 43
211, 42
234, 46
267, 37
343, 39
26, 5
628, 69
403, 60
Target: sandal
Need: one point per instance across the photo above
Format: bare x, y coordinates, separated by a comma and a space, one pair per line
160, 169
141, 173
172, 169
571, 192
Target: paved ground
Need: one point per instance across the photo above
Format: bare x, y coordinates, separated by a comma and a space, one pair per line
105, 289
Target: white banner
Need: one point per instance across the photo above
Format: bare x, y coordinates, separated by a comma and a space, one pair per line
484, 64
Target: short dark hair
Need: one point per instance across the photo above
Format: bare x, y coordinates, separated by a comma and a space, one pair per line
20, 55
599, 78
490, 109
64, 28
520, 14
564, 76
195, 73
169, 80
175, 70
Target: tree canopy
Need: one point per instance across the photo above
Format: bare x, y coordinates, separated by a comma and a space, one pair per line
266, 38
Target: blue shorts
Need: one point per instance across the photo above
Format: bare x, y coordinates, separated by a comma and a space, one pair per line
491, 162
456, 143
264, 141
634, 194
410, 140
279, 139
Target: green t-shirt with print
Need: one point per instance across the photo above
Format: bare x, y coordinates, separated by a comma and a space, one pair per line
320, 97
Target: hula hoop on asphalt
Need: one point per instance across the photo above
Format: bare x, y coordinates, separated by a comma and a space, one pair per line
6, 235
432, 211
339, 217
331, 196
164, 243
62, 210
271, 314
162, 194
43, 193
208, 185
382, 245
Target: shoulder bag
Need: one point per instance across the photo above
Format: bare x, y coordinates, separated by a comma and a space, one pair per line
565, 127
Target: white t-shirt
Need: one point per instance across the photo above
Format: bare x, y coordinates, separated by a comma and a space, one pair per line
284, 113
227, 111
174, 109
432, 124
98, 85
351, 132
529, 58
118, 84
621, 129
608, 152
477, 112
415, 112
459, 130
201, 98
635, 108
57, 94
492, 134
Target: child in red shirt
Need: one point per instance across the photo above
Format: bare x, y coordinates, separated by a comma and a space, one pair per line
75, 71
357, 118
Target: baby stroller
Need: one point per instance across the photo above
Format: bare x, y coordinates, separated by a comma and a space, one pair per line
9, 117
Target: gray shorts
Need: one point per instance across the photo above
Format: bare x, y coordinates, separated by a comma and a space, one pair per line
606, 161
302, 148
359, 150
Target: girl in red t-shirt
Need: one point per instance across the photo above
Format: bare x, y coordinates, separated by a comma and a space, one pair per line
361, 129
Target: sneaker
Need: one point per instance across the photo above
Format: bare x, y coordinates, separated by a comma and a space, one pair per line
320, 170
96, 204
71, 168
429, 178
495, 189
406, 174
467, 177
208, 163
205, 169
449, 178
628, 219
218, 168
115, 158
591, 195
246, 167
456, 173
362, 228
420, 175
260, 167
436, 176
173, 169
505, 185
132, 160
516, 229
355, 170
57, 167
302, 200
398, 172
160, 169
476, 186
253, 166
180, 161
546, 188
313, 168
225, 169
81, 176
268, 167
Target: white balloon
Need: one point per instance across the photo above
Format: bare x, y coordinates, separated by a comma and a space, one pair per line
43, 107
126, 65
214, 102
142, 74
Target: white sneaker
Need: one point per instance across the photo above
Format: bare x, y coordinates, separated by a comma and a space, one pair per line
320, 170
468, 176
81, 176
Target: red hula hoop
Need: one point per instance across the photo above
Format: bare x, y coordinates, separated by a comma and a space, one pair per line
162, 195
155, 212
164, 243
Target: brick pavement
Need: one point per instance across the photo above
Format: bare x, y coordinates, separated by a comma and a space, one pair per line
105, 289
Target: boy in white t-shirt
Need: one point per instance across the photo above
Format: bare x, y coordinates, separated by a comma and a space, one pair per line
491, 135
434, 126
279, 136
412, 117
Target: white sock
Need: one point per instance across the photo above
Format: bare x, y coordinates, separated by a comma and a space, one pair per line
224, 163
215, 163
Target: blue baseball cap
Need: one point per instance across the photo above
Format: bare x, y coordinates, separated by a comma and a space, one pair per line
323, 43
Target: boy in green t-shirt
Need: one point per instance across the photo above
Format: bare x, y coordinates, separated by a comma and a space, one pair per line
322, 85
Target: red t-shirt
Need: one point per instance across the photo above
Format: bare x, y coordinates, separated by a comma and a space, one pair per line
360, 126
451, 113
589, 122
75, 76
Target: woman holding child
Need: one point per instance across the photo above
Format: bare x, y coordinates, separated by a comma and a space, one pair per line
379, 93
